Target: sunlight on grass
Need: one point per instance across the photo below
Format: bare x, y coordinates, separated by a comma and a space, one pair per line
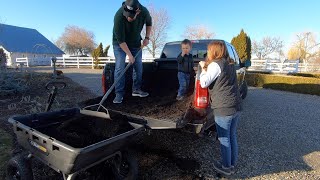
312, 160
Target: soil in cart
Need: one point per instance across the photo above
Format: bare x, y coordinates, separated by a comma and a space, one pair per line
81, 130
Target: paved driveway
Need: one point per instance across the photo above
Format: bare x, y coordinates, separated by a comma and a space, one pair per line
89, 78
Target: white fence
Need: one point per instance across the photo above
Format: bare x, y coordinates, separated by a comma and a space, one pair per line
79, 61
292, 66
25, 61
88, 61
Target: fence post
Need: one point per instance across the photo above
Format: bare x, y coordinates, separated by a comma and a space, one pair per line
92, 63
78, 62
27, 61
64, 63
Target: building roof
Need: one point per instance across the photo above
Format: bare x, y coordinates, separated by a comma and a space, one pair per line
26, 40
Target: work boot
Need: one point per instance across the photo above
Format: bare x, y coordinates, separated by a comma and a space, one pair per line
140, 93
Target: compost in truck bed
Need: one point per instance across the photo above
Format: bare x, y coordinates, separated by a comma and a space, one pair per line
81, 131
161, 102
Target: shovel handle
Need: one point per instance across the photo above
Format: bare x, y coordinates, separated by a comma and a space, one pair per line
116, 81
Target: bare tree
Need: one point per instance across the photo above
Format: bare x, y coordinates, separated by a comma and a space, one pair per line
160, 26
198, 32
267, 46
76, 40
307, 46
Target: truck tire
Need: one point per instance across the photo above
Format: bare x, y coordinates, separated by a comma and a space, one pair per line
19, 167
243, 90
126, 168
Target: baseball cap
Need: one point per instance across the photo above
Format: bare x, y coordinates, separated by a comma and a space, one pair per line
130, 7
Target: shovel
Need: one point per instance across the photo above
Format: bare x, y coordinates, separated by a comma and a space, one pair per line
106, 114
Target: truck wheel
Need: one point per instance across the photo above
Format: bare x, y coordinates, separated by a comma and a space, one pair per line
243, 90
126, 167
19, 167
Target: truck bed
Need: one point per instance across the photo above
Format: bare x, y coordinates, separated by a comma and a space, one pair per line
160, 104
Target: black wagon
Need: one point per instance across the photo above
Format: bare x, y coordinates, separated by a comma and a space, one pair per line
40, 134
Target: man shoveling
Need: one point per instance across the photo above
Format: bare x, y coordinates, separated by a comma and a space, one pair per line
128, 24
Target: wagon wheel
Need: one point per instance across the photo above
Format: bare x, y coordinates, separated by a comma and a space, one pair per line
19, 168
125, 167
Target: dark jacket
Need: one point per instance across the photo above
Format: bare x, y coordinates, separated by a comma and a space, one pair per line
185, 64
130, 32
224, 94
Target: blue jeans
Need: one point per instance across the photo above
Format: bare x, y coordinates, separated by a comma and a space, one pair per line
184, 82
120, 57
227, 135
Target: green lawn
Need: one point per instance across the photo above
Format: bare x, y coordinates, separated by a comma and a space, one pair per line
5, 148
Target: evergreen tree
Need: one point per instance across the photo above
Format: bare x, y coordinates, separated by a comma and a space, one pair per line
242, 43
100, 49
106, 51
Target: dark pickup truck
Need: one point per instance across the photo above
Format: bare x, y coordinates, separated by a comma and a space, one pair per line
161, 110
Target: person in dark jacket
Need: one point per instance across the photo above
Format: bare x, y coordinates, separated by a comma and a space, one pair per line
128, 24
219, 75
185, 68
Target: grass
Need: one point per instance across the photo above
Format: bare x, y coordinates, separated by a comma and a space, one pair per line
5, 149
298, 84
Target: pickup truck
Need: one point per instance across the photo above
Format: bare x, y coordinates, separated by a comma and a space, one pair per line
161, 110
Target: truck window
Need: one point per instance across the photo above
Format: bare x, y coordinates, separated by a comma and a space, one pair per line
231, 54
171, 51
237, 59
199, 50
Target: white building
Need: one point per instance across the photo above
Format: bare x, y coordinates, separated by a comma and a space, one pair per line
19, 42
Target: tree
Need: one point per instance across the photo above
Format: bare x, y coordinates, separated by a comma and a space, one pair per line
160, 26
198, 32
100, 49
96, 53
306, 47
106, 50
3, 58
76, 40
242, 43
293, 53
267, 46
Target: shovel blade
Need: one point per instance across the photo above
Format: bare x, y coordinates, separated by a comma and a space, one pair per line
95, 113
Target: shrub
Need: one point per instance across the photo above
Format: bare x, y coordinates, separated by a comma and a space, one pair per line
307, 75
304, 85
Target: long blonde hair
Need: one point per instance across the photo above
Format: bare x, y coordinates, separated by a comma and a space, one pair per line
216, 51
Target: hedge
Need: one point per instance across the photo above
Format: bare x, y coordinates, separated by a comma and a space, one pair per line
304, 85
307, 75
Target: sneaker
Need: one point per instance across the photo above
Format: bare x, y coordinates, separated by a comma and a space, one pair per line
118, 99
221, 169
140, 93
232, 170
179, 98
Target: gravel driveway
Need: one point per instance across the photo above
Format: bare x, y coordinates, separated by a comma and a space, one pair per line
279, 138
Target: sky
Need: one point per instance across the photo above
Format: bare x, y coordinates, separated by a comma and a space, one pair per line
274, 18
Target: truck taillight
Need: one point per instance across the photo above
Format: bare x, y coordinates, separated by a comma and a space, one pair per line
201, 98
104, 85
